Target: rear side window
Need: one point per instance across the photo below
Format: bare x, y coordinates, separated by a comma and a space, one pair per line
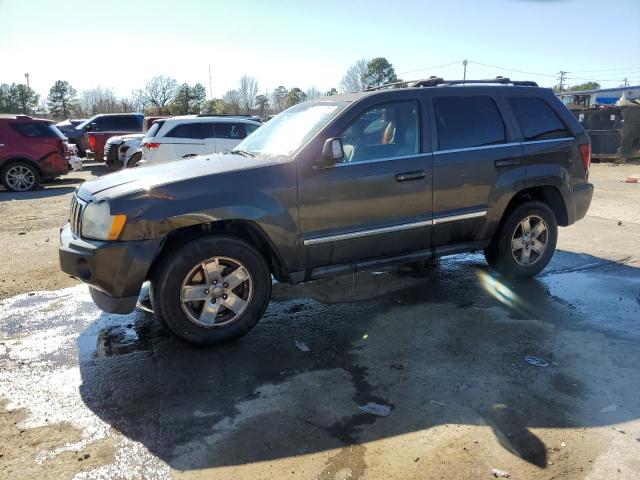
536, 119
129, 123
465, 122
234, 131
34, 130
191, 130
118, 122
153, 130
250, 128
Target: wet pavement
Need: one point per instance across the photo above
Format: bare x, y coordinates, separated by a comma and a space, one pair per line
443, 345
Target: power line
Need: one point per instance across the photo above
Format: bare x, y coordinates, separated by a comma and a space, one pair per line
431, 68
513, 69
606, 70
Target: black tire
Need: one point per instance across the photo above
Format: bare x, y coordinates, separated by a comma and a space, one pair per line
499, 253
10, 168
167, 285
133, 161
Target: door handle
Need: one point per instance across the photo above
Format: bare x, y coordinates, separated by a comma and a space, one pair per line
406, 176
511, 162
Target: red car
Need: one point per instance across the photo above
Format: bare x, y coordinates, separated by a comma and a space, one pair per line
31, 150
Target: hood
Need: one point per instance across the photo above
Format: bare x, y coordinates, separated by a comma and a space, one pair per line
115, 139
138, 179
132, 136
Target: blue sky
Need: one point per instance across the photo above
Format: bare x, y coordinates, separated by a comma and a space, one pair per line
119, 44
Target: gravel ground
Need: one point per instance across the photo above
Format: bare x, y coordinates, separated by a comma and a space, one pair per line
85, 394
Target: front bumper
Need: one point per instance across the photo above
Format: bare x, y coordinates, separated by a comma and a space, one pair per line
114, 270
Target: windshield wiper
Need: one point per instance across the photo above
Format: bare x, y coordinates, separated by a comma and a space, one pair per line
244, 153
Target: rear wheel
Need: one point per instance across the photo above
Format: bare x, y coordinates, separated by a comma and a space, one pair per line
20, 177
526, 241
212, 290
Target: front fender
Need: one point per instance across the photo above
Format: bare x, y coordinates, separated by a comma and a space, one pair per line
267, 197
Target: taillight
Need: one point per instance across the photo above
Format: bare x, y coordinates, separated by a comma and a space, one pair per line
585, 153
92, 141
64, 148
151, 145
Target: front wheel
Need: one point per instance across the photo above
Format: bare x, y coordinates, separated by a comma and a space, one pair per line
133, 161
525, 242
212, 290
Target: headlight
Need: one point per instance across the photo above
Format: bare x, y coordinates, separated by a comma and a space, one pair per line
99, 224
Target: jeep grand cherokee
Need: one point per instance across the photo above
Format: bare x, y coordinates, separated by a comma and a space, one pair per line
333, 186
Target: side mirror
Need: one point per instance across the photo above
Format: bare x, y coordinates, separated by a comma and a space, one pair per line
332, 151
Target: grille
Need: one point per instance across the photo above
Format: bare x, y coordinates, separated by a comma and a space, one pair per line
75, 217
111, 152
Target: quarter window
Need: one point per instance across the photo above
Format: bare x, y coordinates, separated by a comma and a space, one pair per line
384, 131
34, 130
197, 130
536, 119
467, 121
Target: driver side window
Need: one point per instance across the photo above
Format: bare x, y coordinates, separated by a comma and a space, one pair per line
384, 131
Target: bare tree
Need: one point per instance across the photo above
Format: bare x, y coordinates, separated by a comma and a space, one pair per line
248, 91
158, 93
312, 92
262, 103
232, 102
353, 79
279, 99
98, 100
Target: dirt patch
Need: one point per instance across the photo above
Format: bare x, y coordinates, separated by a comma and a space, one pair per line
29, 227
28, 453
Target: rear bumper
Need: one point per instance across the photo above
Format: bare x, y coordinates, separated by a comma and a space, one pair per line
115, 271
53, 165
580, 200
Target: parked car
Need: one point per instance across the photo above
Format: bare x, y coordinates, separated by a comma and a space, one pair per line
98, 129
333, 186
126, 150
185, 136
75, 162
130, 151
69, 129
31, 151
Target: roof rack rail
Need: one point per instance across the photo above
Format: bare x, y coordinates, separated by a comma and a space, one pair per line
224, 115
437, 81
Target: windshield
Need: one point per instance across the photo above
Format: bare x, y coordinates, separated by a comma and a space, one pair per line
289, 130
86, 122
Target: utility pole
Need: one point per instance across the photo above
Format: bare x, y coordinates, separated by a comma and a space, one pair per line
210, 89
464, 74
563, 75
26, 75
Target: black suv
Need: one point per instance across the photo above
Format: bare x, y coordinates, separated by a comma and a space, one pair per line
329, 187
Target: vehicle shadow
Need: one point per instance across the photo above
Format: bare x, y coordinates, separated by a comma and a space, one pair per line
440, 345
43, 192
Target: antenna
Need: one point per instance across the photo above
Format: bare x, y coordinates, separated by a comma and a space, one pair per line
210, 89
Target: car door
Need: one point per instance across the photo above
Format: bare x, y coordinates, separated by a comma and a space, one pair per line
228, 135
209, 137
474, 148
182, 141
376, 202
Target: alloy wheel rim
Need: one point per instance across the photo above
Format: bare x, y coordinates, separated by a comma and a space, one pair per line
20, 178
529, 240
216, 292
